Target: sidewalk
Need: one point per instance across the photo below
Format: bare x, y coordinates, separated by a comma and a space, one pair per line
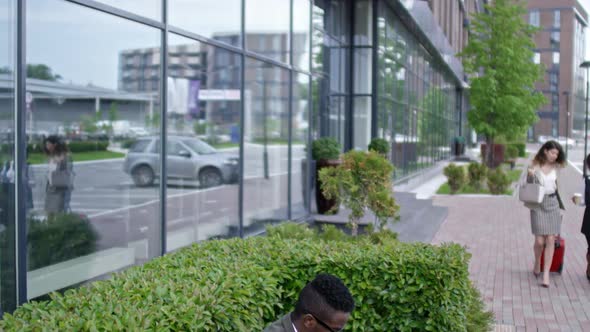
496, 231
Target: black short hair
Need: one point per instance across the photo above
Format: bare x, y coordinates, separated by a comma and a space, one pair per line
323, 296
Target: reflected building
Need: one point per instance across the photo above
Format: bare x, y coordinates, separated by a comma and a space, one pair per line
243, 95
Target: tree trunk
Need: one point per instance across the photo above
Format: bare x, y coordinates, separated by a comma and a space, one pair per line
489, 158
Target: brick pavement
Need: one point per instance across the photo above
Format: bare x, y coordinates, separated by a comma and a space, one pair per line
496, 231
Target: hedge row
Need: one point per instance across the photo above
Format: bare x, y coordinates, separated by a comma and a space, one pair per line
243, 285
74, 146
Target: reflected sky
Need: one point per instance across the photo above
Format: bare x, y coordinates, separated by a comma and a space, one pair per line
78, 43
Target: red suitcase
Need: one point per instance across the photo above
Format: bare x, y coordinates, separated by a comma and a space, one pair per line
557, 263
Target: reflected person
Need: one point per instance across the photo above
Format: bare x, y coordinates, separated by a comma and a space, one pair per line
59, 176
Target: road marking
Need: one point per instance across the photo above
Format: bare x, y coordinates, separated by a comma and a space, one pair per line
153, 201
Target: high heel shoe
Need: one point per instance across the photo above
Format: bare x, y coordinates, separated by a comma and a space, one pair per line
545, 285
536, 274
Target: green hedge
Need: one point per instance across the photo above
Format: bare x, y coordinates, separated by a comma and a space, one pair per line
243, 285
74, 146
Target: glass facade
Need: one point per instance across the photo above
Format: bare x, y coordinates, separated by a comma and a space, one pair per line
148, 128
416, 98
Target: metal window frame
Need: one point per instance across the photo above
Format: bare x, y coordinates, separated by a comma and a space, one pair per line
20, 151
163, 127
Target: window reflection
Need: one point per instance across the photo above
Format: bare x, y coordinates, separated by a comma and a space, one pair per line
300, 127
149, 8
203, 142
416, 101
219, 20
267, 31
92, 98
266, 135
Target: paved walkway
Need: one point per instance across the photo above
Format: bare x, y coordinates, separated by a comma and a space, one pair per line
496, 231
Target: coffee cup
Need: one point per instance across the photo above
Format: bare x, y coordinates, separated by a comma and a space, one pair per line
577, 199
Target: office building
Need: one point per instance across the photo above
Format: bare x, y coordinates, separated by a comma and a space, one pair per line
270, 78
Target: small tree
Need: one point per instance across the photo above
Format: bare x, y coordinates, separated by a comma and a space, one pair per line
498, 181
380, 146
455, 177
499, 52
361, 182
477, 173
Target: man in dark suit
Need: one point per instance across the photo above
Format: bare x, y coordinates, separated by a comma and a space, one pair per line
324, 304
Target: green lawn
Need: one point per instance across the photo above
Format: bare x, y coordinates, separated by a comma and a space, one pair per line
39, 158
513, 176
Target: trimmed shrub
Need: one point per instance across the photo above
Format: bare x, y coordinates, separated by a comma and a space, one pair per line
477, 173
498, 181
87, 146
455, 177
325, 148
379, 145
243, 285
59, 238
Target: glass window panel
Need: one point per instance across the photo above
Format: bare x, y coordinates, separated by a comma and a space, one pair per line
363, 27
148, 8
219, 20
204, 129
266, 133
300, 127
94, 94
267, 31
362, 122
363, 64
301, 34
7, 190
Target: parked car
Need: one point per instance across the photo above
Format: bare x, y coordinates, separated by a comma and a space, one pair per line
188, 158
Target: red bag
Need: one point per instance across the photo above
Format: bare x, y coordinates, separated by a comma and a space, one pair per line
557, 263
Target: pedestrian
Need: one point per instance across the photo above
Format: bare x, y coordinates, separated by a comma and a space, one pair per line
324, 304
60, 176
546, 217
586, 220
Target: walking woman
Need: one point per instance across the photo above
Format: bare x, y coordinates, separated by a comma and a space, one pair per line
546, 217
59, 176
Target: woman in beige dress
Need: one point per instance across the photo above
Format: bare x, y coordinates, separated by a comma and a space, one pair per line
546, 216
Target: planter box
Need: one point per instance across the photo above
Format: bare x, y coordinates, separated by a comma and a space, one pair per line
499, 150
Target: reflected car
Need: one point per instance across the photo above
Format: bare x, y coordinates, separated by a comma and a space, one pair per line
189, 158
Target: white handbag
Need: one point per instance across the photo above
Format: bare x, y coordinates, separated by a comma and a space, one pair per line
531, 192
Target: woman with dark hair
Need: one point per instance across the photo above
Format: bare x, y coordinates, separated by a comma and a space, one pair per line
546, 217
60, 175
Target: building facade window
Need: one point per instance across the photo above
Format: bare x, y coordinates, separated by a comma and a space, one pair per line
557, 18
534, 18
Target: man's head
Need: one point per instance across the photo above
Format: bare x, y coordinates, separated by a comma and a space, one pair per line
324, 305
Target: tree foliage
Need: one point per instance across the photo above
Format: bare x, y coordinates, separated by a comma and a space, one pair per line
42, 72
503, 95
